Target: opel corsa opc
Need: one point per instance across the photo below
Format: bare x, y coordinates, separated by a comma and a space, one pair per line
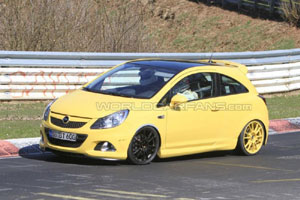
146, 108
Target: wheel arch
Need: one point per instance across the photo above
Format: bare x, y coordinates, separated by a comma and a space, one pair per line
153, 126
131, 158
241, 148
265, 131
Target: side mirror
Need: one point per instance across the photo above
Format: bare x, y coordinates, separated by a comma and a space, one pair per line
177, 100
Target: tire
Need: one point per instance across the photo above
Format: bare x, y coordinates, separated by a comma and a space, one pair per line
251, 138
143, 146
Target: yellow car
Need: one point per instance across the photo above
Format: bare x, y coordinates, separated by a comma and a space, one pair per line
146, 108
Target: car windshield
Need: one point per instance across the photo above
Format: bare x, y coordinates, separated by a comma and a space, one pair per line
135, 79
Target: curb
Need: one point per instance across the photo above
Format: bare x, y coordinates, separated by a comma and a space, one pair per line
8, 149
279, 126
19, 147
29, 146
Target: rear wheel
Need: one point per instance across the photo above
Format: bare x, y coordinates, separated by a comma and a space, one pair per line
144, 146
251, 138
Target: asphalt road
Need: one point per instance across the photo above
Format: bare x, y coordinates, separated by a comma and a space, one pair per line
273, 174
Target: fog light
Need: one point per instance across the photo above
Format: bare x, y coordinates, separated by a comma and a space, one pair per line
105, 146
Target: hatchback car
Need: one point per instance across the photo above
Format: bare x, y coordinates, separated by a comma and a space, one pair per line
146, 108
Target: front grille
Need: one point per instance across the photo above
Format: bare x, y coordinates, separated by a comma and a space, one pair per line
70, 124
80, 139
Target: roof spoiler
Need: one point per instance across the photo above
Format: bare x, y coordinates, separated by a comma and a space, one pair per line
226, 63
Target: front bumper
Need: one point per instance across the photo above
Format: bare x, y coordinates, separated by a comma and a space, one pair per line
119, 137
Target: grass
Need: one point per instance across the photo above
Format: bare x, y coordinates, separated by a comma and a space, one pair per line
284, 106
284, 44
19, 129
211, 35
22, 119
22, 109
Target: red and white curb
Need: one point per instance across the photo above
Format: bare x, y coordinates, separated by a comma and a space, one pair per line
19, 147
29, 146
279, 126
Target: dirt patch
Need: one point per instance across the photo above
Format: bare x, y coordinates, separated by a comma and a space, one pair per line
185, 26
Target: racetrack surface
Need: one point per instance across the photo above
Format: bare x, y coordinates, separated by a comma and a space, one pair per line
272, 174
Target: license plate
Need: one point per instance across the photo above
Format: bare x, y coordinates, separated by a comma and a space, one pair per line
63, 135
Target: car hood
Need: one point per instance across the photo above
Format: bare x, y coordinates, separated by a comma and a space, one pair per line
86, 104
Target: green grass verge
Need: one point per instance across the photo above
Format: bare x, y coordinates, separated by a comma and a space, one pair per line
22, 109
284, 107
22, 119
19, 129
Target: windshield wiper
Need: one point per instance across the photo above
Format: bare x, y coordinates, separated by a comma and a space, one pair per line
107, 92
115, 94
87, 89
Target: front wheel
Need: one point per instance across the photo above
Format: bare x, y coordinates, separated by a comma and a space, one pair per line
251, 138
144, 146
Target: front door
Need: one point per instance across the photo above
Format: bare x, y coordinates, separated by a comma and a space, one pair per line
192, 123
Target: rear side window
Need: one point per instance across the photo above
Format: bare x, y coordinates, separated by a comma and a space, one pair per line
230, 86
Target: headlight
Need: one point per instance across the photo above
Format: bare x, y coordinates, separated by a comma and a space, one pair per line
47, 110
111, 121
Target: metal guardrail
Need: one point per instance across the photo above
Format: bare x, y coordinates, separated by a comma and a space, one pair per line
47, 75
66, 59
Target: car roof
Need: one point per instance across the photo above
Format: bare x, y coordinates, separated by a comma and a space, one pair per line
178, 65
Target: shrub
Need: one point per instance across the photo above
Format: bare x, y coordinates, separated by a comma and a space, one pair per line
291, 11
89, 25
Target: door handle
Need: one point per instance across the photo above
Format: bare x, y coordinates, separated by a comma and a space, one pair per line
215, 110
161, 117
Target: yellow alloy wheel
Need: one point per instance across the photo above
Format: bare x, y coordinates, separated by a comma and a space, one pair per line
251, 138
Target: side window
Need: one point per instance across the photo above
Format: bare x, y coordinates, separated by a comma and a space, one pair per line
230, 86
193, 87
